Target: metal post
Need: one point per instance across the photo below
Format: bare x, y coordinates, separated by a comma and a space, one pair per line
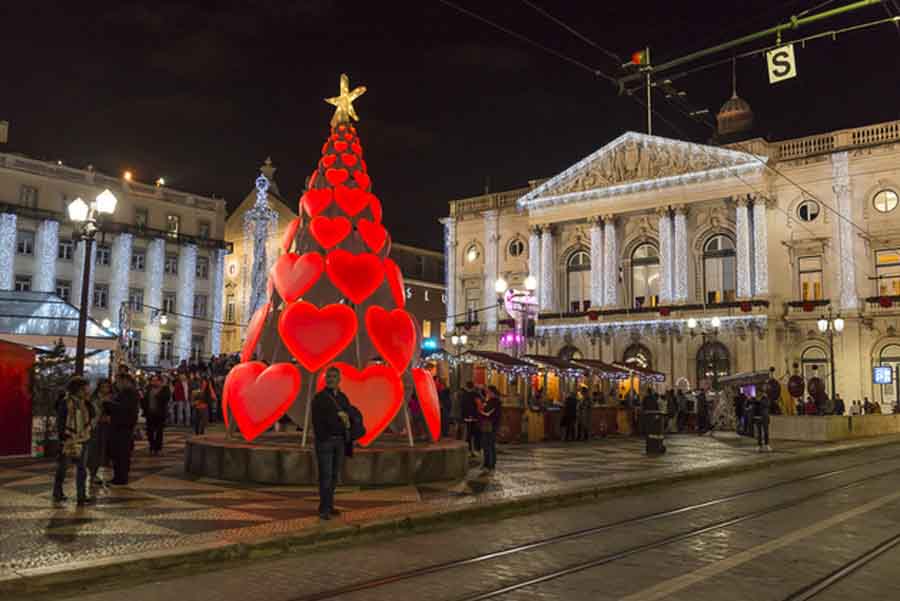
88, 238
649, 97
831, 349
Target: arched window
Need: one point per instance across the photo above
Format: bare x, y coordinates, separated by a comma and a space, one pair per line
515, 248
890, 356
719, 280
713, 362
638, 355
885, 201
569, 353
578, 281
814, 363
645, 276
473, 253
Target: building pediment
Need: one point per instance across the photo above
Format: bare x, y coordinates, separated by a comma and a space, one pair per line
634, 162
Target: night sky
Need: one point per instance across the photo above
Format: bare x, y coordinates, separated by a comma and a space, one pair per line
202, 95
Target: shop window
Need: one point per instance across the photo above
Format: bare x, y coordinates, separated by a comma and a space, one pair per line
890, 357
719, 264
645, 276
814, 363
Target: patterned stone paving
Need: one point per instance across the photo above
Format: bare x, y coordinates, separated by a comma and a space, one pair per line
163, 508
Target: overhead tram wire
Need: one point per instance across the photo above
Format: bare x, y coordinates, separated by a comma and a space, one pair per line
678, 130
611, 55
531, 42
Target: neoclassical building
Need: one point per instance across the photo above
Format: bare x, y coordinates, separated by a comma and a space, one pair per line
698, 260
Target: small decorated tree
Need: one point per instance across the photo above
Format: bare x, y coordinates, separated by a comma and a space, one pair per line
335, 298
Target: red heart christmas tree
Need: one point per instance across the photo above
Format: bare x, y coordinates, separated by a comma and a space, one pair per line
334, 299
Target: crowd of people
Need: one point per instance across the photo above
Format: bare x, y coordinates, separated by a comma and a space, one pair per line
97, 428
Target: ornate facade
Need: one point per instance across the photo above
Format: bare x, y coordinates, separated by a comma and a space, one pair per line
696, 260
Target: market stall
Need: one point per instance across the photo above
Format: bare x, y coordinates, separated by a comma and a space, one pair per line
605, 418
630, 388
556, 380
511, 376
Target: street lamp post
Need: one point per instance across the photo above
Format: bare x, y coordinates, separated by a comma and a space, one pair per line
85, 216
830, 325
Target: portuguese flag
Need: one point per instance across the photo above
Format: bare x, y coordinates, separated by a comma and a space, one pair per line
641, 58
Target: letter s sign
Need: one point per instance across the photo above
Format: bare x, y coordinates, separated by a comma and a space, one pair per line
782, 64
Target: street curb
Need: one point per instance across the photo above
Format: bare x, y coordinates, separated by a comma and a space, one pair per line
148, 564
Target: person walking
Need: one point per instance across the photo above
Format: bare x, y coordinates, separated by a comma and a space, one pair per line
123, 418
201, 397
182, 395
331, 425
97, 452
446, 405
469, 407
585, 414
761, 409
489, 411
570, 417
74, 416
838, 405
156, 406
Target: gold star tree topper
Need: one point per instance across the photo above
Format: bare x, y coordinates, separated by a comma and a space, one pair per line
344, 103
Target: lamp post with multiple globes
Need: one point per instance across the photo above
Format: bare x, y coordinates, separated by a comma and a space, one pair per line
85, 217
830, 326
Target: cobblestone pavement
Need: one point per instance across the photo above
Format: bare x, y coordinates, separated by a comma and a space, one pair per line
165, 509
761, 535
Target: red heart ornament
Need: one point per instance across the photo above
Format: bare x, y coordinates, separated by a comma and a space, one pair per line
340, 146
259, 394
355, 147
395, 282
373, 234
348, 137
312, 178
375, 208
376, 391
316, 201
350, 200
325, 147
254, 330
356, 276
362, 179
287, 239
329, 159
293, 274
426, 392
394, 335
336, 177
329, 231
348, 159
316, 336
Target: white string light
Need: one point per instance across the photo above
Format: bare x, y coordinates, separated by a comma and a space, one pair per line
217, 289
654, 324
120, 268
548, 271
680, 271
734, 161
840, 174
742, 225
258, 223
596, 263
450, 270
491, 219
534, 257
46, 246
187, 274
665, 256
7, 250
156, 257
611, 264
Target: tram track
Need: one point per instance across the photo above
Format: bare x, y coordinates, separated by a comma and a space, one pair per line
848, 569
376, 583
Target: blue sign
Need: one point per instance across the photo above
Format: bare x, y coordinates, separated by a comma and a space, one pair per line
883, 374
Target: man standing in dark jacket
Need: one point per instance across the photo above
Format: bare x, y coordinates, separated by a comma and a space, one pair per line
123, 417
468, 406
156, 407
331, 425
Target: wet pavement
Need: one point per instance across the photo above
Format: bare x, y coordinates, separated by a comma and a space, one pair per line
756, 536
164, 510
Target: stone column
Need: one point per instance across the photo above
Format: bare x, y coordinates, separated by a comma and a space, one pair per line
665, 255
184, 300
596, 262
46, 247
680, 267
8, 222
120, 268
743, 249
534, 256
548, 270
843, 241
760, 248
156, 257
217, 291
450, 269
78, 261
610, 263
491, 238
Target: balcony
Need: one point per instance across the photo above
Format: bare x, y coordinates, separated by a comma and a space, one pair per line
880, 133
661, 312
806, 308
883, 305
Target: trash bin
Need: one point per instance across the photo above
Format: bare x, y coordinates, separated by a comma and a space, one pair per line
654, 431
